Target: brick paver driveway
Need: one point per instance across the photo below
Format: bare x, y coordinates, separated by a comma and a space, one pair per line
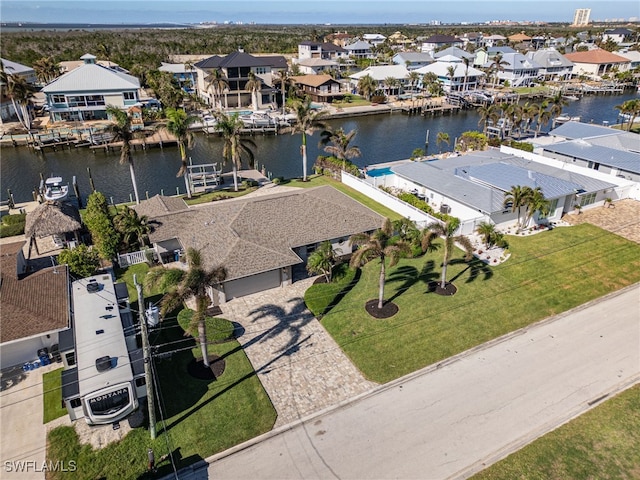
622, 218
299, 364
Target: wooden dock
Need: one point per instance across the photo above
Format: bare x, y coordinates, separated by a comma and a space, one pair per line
159, 138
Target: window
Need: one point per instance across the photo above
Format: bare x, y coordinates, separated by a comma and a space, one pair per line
110, 402
260, 70
78, 101
552, 209
58, 99
75, 403
140, 381
587, 199
129, 95
71, 358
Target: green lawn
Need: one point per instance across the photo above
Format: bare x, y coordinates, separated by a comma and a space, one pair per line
196, 418
548, 273
218, 195
602, 443
52, 397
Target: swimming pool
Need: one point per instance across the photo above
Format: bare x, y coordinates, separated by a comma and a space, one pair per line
379, 172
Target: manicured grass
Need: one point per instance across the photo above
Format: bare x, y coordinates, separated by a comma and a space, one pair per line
355, 102
318, 180
322, 297
602, 443
218, 195
548, 273
218, 329
200, 417
126, 275
52, 398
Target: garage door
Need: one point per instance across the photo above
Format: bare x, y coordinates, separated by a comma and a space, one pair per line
252, 284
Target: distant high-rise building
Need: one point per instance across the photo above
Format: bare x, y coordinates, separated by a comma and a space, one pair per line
581, 17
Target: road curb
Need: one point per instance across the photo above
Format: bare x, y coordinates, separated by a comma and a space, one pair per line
424, 371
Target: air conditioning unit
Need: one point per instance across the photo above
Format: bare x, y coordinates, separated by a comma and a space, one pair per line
444, 208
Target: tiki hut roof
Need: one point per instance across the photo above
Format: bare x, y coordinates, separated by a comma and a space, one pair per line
52, 219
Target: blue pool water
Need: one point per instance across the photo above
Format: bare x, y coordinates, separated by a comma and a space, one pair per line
379, 172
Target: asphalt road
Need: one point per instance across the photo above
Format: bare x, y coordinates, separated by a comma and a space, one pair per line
451, 420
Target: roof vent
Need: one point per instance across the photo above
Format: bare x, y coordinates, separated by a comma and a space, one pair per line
104, 363
93, 286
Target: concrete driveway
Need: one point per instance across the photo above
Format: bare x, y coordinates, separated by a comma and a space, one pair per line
299, 364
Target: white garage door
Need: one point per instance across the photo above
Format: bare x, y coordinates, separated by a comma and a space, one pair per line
252, 284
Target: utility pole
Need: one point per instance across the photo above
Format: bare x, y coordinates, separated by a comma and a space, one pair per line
146, 352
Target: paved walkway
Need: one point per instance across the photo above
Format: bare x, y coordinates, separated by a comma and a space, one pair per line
299, 364
622, 218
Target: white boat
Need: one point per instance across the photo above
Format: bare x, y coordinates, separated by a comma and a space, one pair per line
54, 190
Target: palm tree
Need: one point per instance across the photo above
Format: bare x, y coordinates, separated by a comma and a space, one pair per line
466, 61
133, 229
217, 84
630, 108
447, 230
378, 245
487, 231
254, 85
488, 113
121, 129
442, 137
391, 83
234, 145
451, 73
414, 78
497, 66
283, 78
178, 123
536, 203
337, 143
21, 93
516, 198
557, 102
367, 86
183, 285
321, 261
544, 116
46, 69
308, 120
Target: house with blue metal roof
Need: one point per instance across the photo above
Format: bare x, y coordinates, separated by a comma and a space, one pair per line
472, 186
604, 149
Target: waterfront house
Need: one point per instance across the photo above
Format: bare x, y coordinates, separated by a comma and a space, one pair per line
360, 49
464, 78
316, 66
13, 68
618, 35
597, 63
517, 69
236, 69
634, 58
28, 326
320, 88
263, 242
472, 186
380, 73
484, 56
85, 92
438, 41
185, 74
603, 149
68, 65
412, 60
553, 65
456, 52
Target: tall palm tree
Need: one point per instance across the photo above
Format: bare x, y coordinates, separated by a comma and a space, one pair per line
337, 143
178, 124
466, 61
284, 79
451, 73
234, 145
121, 129
308, 120
217, 84
254, 85
367, 86
181, 285
630, 108
442, 137
488, 114
516, 198
557, 102
21, 94
544, 116
133, 229
391, 83
529, 114
414, 79
378, 245
497, 66
447, 230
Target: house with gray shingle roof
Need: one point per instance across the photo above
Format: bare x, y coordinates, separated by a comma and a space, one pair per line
261, 241
553, 65
85, 92
27, 326
472, 186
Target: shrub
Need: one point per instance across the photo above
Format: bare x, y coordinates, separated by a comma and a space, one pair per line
15, 219
82, 261
525, 146
11, 230
378, 99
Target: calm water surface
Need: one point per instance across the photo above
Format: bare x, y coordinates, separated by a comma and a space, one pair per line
381, 138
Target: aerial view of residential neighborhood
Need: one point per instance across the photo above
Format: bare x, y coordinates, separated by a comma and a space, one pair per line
319, 240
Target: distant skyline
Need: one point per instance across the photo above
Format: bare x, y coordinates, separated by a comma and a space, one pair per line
310, 11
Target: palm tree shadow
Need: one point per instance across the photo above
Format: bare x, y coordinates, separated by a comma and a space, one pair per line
289, 321
342, 293
475, 268
406, 276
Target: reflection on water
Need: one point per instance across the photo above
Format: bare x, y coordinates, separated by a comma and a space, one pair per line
381, 138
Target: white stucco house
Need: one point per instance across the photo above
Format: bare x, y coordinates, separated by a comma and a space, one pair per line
464, 78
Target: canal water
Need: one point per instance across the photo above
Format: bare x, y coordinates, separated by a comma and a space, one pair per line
381, 138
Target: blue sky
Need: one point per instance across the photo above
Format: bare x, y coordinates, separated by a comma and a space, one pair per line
308, 11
